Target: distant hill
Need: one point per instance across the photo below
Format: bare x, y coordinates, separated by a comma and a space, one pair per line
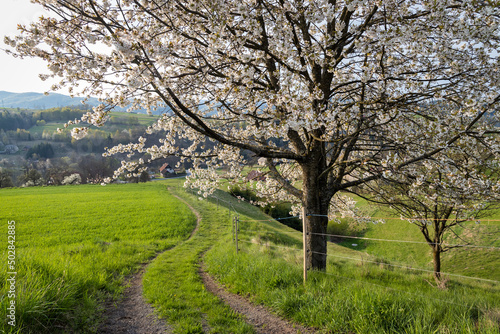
41, 101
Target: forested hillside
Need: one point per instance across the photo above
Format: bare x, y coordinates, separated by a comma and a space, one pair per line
33, 152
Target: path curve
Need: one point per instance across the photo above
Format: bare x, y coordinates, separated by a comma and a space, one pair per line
263, 321
132, 314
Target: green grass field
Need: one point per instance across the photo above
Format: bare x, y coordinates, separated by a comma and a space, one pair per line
74, 245
119, 120
358, 293
172, 282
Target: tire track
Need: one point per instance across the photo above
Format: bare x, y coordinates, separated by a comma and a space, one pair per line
263, 321
132, 314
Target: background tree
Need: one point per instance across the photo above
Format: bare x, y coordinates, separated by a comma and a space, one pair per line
31, 178
144, 177
95, 169
325, 93
438, 197
42, 150
57, 170
5, 178
72, 179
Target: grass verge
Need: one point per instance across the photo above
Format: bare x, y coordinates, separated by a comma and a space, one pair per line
72, 251
359, 292
408, 244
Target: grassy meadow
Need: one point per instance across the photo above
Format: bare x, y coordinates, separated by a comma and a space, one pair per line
74, 245
359, 292
407, 246
172, 282
118, 120
362, 291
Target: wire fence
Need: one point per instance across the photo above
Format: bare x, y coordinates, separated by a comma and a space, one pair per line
241, 236
407, 267
470, 219
343, 236
364, 281
365, 260
378, 262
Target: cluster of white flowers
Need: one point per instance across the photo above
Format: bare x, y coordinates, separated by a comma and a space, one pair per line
74, 178
98, 117
348, 93
79, 132
32, 183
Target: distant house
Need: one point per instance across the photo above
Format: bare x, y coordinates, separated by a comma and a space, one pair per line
256, 176
167, 171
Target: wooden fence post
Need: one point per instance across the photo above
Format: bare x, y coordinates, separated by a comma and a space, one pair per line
236, 219
304, 246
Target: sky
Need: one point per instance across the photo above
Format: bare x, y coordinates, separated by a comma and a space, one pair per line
20, 75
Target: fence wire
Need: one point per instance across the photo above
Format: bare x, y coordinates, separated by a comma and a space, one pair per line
407, 267
364, 281
402, 266
375, 239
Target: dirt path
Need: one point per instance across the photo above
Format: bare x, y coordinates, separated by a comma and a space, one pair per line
132, 315
263, 321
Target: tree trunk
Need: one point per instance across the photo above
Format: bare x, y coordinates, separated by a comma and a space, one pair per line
437, 249
316, 239
316, 202
436, 258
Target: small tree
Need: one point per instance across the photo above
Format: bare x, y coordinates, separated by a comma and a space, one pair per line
57, 170
72, 179
329, 91
5, 178
31, 178
437, 197
144, 177
95, 169
42, 150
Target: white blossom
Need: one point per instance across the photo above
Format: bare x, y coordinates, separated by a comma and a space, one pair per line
74, 178
362, 90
